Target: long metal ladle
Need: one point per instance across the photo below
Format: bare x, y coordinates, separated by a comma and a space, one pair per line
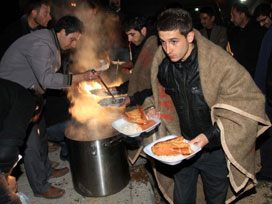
105, 85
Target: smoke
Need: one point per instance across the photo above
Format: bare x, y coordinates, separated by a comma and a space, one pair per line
102, 34
90, 120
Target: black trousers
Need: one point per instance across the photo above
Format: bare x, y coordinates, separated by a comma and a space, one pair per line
8, 157
212, 168
37, 166
266, 153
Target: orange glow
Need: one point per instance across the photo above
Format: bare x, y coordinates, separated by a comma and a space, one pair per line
88, 86
85, 105
73, 4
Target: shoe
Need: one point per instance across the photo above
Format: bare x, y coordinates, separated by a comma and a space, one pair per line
261, 177
51, 193
59, 172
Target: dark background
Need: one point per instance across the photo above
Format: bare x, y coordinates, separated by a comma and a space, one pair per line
12, 8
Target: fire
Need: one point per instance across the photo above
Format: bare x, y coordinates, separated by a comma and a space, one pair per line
88, 86
86, 110
90, 120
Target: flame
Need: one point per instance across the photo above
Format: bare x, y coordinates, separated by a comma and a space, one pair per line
85, 105
91, 85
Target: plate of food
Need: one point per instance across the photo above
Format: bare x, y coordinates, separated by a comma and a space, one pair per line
134, 123
116, 101
171, 149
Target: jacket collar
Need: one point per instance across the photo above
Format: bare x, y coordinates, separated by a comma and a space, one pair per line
54, 35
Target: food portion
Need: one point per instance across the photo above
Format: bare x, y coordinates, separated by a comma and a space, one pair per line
172, 147
138, 116
130, 128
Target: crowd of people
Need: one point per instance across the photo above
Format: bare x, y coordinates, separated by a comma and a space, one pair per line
213, 86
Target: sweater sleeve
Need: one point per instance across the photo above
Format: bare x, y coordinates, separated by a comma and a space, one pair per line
123, 88
139, 97
213, 135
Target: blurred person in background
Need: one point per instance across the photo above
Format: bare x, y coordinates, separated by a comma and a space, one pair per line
245, 37
143, 47
215, 33
263, 15
18, 108
263, 78
32, 61
36, 16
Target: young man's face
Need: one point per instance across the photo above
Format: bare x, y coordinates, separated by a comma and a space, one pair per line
175, 45
69, 41
42, 16
265, 21
136, 37
206, 20
237, 18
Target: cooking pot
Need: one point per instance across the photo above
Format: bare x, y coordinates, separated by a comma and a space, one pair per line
99, 167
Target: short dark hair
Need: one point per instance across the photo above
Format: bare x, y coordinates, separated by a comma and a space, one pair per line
208, 10
136, 23
70, 24
262, 9
34, 4
241, 8
175, 18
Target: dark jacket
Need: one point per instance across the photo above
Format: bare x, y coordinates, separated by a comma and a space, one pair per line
269, 82
16, 109
245, 44
263, 71
218, 35
182, 83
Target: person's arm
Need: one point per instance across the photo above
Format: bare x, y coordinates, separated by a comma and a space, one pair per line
209, 140
43, 68
123, 88
86, 76
139, 97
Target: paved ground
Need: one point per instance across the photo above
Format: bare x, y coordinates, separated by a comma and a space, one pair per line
138, 191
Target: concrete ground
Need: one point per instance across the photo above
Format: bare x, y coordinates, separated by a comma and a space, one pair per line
139, 190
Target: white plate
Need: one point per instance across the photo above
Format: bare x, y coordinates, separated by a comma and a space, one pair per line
170, 160
120, 123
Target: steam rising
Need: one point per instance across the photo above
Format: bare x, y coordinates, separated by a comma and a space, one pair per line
102, 33
90, 120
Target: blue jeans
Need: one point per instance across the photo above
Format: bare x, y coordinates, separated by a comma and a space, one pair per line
56, 133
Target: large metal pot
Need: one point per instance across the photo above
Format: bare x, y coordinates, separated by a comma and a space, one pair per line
99, 167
